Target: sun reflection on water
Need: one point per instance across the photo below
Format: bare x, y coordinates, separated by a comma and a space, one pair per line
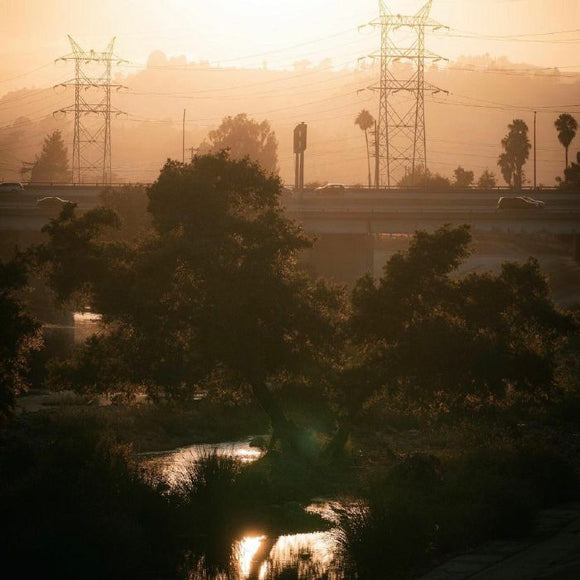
246, 551
306, 553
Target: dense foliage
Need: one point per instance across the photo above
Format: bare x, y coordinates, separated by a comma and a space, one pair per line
19, 337
436, 340
213, 295
244, 137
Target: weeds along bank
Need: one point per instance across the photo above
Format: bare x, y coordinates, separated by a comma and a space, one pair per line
76, 503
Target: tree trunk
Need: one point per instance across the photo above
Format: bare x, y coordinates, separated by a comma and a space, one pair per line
338, 442
336, 445
283, 428
566, 149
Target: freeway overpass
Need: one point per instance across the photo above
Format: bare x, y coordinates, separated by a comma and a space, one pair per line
357, 211
346, 224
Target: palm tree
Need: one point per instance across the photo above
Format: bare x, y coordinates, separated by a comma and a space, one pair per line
566, 126
365, 121
516, 146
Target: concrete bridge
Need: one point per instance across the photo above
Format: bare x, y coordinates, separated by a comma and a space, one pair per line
346, 225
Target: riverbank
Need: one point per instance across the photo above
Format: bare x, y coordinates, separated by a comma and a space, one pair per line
417, 492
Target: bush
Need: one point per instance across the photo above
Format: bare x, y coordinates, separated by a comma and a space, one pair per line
76, 506
422, 509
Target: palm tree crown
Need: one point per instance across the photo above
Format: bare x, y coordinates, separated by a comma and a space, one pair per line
364, 120
566, 126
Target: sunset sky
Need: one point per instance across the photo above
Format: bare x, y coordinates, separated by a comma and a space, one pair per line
273, 33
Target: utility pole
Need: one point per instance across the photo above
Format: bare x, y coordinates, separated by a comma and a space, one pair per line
401, 128
91, 140
377, 157
535, 113
183, 139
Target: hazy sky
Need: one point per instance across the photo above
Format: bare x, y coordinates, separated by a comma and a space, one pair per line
275, 32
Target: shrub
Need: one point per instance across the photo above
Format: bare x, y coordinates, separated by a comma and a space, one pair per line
77, 507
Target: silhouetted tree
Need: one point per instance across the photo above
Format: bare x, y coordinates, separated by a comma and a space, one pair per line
424, 178
213, 296
571, 175
422, 335
566, 126
52, 164
365, 121
516, 147
463, 178
486, 180
20, 335
243, 137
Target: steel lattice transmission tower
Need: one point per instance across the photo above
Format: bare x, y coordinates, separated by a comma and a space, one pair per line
92, 112
402, 145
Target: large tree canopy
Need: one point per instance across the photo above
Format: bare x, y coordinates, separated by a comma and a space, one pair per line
214, 292
422, 335
244, 137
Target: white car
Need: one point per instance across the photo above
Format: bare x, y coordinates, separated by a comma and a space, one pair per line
331, 188
9, 186
520, 202
52, 202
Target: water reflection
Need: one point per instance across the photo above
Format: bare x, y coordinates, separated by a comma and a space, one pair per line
300, 556
173, 464
257, 556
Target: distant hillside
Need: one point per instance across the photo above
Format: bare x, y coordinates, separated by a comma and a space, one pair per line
463, 128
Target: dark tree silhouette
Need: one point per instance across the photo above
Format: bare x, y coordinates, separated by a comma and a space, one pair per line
424, 178
243, 137
52, 164
365, 121
212, 297
516, 147
571, 175
422, 335
486, 180
19, 337
566, 126
463, 178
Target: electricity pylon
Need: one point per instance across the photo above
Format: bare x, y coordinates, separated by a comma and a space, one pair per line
92, 112
402, 144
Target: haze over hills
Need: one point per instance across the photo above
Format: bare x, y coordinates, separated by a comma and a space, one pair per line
463, 128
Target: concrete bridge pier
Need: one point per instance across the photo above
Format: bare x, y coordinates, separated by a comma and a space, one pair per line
340, 257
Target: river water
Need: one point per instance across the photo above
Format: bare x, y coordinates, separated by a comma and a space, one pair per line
258, 556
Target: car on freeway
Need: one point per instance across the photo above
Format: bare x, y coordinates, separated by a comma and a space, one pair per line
10, 186
519, 202
331, 188
52, 202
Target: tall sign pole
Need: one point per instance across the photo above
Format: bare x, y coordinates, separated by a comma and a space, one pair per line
535, 149
300, 133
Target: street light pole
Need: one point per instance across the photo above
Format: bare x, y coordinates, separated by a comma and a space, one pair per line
535, 112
